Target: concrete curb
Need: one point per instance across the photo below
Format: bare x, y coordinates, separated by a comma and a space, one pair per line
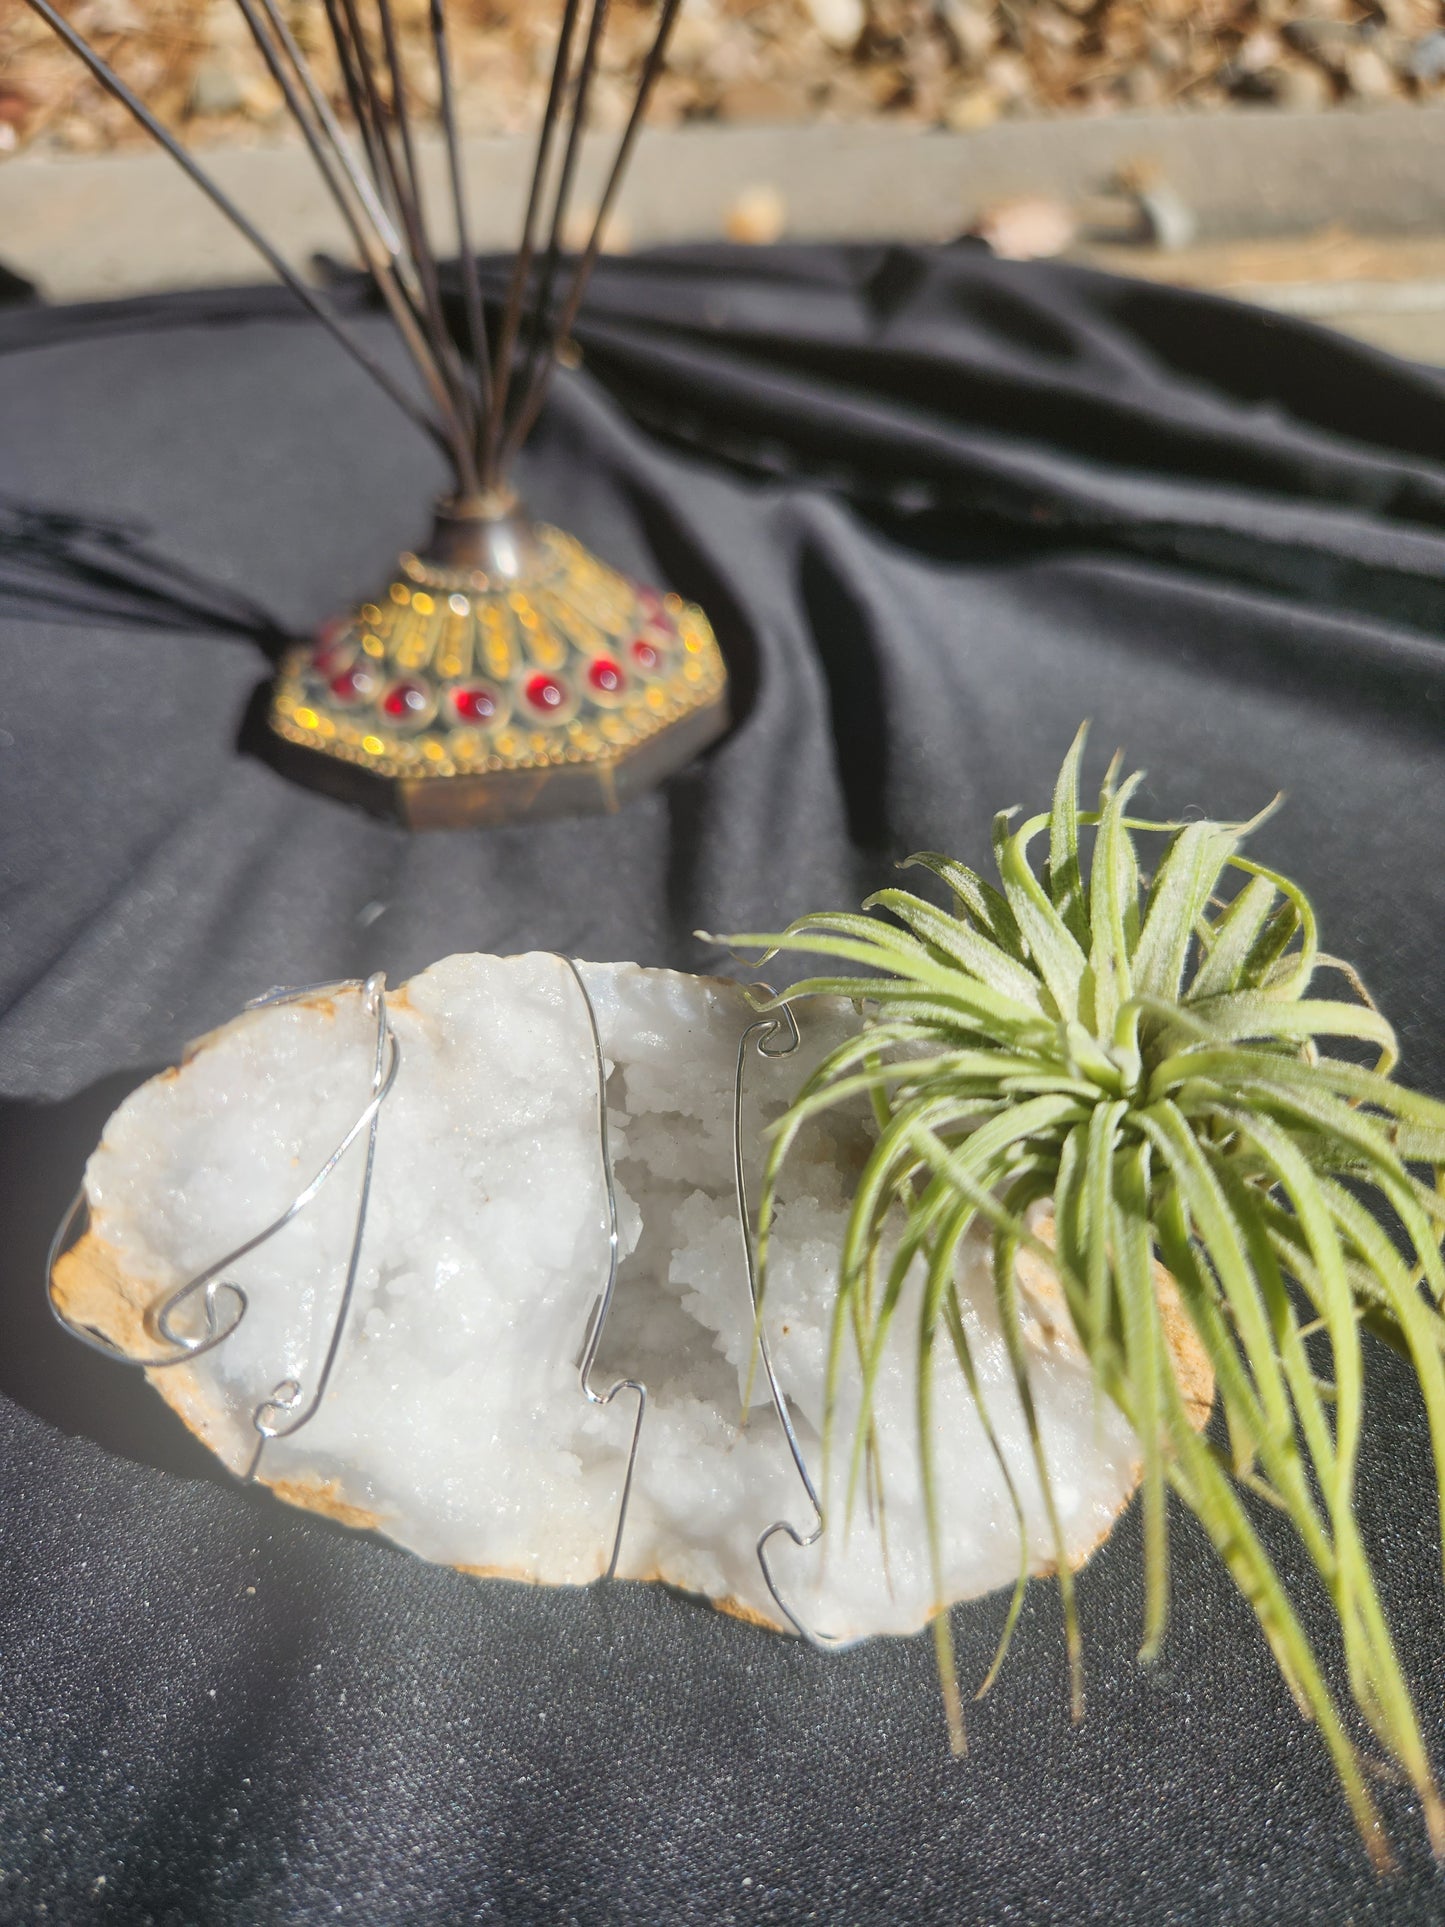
132, 222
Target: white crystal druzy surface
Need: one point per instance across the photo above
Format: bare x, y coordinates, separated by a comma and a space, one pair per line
454, 1421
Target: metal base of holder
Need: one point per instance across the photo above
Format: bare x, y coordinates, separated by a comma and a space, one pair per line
504, 674
507, 796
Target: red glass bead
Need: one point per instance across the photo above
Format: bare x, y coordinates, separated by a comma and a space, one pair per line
545, 692
654, 612
351, 686
606, 676
475, 705
644, 653
326, 649
405, 701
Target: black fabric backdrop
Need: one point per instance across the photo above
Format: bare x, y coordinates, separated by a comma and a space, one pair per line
940, 509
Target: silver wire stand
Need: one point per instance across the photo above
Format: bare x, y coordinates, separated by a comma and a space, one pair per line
776, 1036
284, 1411
282, 1414
602, 1305
223, 1303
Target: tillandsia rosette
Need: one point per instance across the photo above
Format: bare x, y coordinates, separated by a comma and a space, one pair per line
1144, 1057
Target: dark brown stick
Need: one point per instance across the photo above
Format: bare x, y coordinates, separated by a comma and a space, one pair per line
352, 63
395, 182
422, 252
390, 176
522, 266
351, 73
532, 404
361, 183
542, 301
310, 297
471, 283
367, 240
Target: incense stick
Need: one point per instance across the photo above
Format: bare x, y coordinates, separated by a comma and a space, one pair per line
312, 298
484, 391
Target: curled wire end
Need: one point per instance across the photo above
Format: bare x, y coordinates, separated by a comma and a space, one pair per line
224, 1305
778, 1035
773, 1035
823, 1641
267, 1420
602, 1305
586, 1357
594, 1397
282, 1414
269, 1415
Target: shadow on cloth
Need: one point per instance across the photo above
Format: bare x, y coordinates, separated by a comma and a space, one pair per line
1396, 668
43, 1148
58, 562
75, 565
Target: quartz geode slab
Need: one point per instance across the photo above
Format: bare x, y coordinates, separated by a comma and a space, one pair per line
454, 1422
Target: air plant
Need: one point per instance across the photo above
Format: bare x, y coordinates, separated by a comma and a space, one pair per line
1146, 1054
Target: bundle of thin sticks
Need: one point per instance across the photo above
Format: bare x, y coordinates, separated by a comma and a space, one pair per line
478, 400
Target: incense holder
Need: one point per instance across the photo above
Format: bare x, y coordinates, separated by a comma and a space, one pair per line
503, 672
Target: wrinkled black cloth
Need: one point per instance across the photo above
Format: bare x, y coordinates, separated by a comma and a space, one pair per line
940, 509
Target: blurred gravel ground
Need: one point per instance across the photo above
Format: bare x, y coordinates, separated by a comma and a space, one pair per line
961, 64
790, 64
